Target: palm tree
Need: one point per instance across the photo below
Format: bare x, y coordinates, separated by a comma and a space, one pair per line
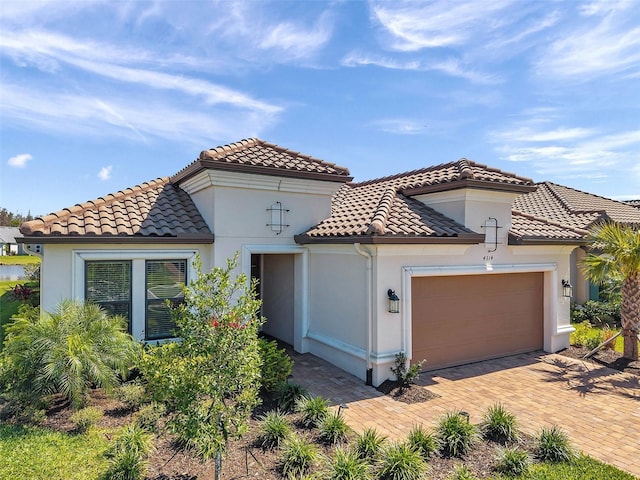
616, 254
68, 351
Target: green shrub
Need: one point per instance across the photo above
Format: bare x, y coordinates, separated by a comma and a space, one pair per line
455, 434
499, 425
333, 429
313, 410
461, 472
298, 456
275, 429
149, 415
513, 462
369, 444
86, 418
597, 313
276, 364
401, 462
127, 465
347, 465
405, 375
288, 394
77, 346
553, 445
422, 441
134, 438
133, 395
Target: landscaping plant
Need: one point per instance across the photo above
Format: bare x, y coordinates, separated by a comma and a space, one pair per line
616, 255
68, 351
345, 464
553, 445
333, 429
86, 418
499, 425
287, 395
132, 394
461, 472
455, 434
298, 456
128, 454
209, 380
276, 364
149, 415
275, 429
313, 410
422, 441
512, 462
369, 444
405, 375
401, 462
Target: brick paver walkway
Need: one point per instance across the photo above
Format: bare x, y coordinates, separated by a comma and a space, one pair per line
598, 407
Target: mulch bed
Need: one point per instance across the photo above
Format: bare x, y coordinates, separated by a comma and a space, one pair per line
606, 357
407, 394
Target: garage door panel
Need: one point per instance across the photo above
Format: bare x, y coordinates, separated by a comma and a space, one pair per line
460, 319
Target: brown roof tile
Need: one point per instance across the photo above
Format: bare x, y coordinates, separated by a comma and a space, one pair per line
573, 208
528, 227
153, 210
257, 156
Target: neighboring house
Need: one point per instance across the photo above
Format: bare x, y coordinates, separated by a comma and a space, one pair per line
474, 279
579, 210
8, 242
635, 203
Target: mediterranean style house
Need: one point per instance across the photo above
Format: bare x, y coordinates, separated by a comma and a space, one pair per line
452, 263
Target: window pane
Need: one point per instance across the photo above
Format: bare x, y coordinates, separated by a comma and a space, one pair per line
108, 284
165, 281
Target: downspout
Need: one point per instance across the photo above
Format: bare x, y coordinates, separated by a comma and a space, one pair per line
369, 282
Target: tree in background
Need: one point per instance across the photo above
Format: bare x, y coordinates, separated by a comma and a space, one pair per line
615, 256
210, 379
9, 219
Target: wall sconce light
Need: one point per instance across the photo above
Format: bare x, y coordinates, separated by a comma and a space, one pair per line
394, 301
567, 289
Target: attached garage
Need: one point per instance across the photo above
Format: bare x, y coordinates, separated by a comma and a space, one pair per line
460, 319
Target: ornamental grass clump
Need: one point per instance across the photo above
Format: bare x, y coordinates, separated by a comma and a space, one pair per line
128, 454
275, 429
298, 456
333, 429
553, 445
369, 444
422, 441
512, 462
401, 462
85, 418
313, 410
455, 434
461, 472
499, 425
287, 395
345, 464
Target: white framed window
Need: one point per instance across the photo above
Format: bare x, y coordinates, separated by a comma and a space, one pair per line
108, 284
165, 281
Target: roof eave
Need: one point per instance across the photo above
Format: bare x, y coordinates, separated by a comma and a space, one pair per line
469, 183
119, 239
206, 164
527, 240
467, 239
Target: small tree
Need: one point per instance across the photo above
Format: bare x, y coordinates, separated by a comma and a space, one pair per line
210, 379
616, 256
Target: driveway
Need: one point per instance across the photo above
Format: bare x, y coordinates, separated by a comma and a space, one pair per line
598, 407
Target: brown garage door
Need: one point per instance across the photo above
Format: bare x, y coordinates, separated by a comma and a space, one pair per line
466, 318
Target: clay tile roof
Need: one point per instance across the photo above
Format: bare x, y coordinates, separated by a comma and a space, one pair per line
152, 211
635, 203
383, 208
253, 155
573, 208
527, 227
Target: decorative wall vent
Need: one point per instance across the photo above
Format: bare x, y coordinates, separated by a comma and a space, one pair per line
277, 217
491, 234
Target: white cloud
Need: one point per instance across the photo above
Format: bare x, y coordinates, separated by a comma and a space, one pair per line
400, 126
19, 161
606, 42
105, 173
355, 59
297, 41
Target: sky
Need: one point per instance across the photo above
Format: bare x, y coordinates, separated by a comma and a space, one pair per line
98, 96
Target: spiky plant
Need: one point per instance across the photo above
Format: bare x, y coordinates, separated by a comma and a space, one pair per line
333, 428
345, 464
553, 445
298, 456
369, 444
401, 462
616, 255
275, 429
422, 441
455, 434
499, 425
313, 410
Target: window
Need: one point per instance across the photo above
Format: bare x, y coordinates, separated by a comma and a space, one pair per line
165, 280
108, 284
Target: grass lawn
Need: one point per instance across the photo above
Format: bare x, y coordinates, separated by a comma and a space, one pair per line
584, 468
38, 453
8, 305
584, 331
19, 260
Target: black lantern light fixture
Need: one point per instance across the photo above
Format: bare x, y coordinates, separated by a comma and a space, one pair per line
567, 289
394, 301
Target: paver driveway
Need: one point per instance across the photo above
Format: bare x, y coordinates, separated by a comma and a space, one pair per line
598, 407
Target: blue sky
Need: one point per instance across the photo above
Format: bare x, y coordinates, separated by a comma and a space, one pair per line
99, 96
